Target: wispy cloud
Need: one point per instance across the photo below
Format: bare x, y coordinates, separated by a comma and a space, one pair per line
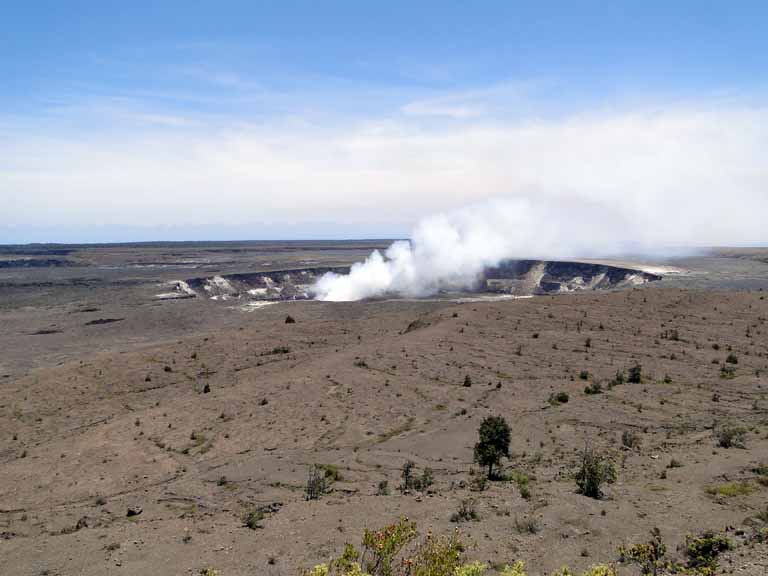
692, 173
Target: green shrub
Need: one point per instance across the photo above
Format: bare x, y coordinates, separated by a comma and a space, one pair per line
727, 372
731, 437
630, 439
702, 552
466, 511
649, 555
618, 380
252, 518
331, 473
593, 388
557, 398
595, 470
635, 375
316, 483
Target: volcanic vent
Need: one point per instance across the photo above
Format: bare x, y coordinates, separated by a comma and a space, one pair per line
514, 277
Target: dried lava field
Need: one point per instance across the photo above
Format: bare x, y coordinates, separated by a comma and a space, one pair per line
138, 435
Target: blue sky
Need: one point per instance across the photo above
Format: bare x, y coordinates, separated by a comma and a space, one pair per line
96, 85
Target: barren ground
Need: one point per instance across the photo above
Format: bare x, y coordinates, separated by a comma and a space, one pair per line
99, 418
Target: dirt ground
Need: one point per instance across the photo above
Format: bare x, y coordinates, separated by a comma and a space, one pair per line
193, 413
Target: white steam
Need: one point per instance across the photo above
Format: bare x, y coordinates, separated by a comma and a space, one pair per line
450, 251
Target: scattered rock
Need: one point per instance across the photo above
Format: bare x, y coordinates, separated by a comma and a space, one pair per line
134, 511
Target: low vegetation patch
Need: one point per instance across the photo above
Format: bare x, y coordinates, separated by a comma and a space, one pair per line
557, 398
731, 489
399, 550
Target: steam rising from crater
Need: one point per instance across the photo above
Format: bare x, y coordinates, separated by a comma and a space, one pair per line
450, 251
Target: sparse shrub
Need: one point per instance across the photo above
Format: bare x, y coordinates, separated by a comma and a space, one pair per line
383, 488
407, 476
618, 380
557, 398
731, 437
493, 444
635, 374
331, 473
596, 570
252, 518
584, 375
397, 550
649, 555
316, 483
595, 470
473, 569
466, 512
517, 569
630, 439
732, 359
529, 525
424, 481
381, 547
593, 388
727, 372
702, 552
467, 381
478, 483
521, 479
290, 319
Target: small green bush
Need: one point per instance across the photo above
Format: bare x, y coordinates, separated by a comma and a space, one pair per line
727, 372
650, 556
557, 398
635, 375
466, 512
630, 439
593, 388
702, 552
595, 470
316, 483
252, 518
731, 437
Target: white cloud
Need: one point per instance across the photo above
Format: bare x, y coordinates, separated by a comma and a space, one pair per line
689, 174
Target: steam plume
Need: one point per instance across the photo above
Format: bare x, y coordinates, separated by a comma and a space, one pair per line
450, 251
